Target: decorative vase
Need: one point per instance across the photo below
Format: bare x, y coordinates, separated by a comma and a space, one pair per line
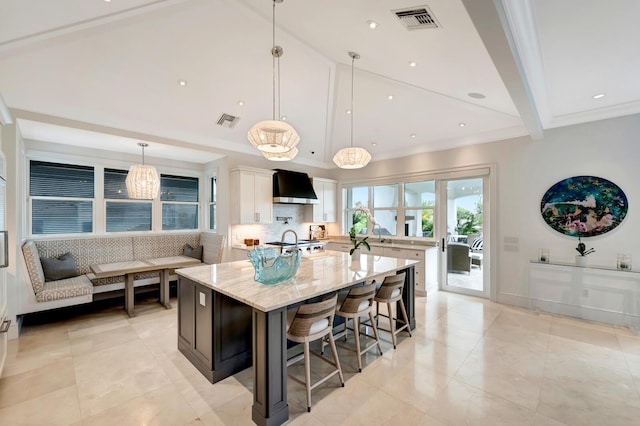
355, 257
581, 260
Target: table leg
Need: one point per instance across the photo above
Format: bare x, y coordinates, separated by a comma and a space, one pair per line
164, 288
270, 368
129, 295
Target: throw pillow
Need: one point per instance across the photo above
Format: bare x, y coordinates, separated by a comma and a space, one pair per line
195, 252
59, 269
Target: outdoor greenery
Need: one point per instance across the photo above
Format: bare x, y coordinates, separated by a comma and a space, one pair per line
359, 222
469, 222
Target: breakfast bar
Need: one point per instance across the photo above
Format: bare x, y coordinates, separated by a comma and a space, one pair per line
228, 322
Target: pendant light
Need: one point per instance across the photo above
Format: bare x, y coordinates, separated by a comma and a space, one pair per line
281, 156
353, 157
142, 181
273, 136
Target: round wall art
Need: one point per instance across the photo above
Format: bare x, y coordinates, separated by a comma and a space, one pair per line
584, 206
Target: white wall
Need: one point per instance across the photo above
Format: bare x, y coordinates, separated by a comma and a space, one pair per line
524, 170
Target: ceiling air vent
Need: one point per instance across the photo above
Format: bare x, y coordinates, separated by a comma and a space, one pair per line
417, 17
227, 120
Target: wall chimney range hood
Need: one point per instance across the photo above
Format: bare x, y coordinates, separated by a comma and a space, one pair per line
293, 188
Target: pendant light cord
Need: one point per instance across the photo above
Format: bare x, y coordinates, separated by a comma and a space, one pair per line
274, 60
143, 155
353, 60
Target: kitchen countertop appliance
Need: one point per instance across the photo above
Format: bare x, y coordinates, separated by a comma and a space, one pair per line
307, 246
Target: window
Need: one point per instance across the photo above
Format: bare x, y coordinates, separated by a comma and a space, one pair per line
212, 203
385, 209
413, 218
356, 218
419, 202
179, 196
124, 214
61, 198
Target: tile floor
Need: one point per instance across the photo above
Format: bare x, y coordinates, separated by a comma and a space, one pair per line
470, 362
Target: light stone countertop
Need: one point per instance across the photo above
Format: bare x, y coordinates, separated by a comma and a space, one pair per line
397, 244
318, 274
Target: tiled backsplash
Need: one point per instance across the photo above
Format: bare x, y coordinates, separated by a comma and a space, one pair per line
273, 232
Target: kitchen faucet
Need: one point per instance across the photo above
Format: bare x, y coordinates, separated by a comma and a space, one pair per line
292, 231
379, 232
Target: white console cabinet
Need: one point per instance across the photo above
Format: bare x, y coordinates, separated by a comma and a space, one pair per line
592, 293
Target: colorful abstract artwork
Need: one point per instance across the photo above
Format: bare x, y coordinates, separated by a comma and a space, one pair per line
584, 206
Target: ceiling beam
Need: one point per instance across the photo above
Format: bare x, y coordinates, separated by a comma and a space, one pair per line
489, 18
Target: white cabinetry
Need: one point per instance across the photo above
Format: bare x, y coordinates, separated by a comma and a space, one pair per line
418, 254
325, 210
253, 189
413, 254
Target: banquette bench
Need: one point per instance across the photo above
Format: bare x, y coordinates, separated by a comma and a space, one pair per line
43, 293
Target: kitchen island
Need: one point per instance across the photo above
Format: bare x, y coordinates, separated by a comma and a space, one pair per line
228, 322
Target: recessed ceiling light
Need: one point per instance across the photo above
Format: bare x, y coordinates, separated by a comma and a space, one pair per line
372, 24
413, 64
373, 144
348, 111
461, 124
182, 83
107, 1
390, 97
241, 103
413, 135
476, 95
283, 118
598, 96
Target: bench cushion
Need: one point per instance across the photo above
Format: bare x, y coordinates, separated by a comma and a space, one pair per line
63, 289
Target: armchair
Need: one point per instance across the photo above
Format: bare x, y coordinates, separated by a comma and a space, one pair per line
458, 257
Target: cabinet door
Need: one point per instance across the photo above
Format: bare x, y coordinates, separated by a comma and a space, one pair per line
377, 251
329, 201
246, 197
263, 193
186, 292
203, 336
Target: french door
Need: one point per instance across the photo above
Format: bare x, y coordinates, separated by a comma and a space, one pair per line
463, 229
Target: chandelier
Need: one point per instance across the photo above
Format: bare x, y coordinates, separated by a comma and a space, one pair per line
273, 137
142, 181
352, 157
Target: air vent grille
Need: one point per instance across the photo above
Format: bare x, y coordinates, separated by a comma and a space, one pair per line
227, 120
417, 17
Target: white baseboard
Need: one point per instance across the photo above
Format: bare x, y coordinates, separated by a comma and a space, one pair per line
513, 299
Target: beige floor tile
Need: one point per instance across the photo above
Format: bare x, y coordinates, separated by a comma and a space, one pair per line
461, 404
115, 375
106, 339
164, 406
450, 335
586, 354
630, 344
586, 333
37, 382
55, 408
507, 370
22, 361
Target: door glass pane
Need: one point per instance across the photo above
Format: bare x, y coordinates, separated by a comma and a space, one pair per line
464, 234
123, 217
179, 216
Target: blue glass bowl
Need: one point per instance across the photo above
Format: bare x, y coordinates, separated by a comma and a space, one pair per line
272, 267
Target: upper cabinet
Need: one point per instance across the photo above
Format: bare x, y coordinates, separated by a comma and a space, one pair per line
253, 190
325, 210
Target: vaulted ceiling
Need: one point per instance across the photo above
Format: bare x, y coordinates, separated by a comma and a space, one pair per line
105, 74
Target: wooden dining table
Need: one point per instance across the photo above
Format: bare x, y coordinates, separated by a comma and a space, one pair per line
130, 268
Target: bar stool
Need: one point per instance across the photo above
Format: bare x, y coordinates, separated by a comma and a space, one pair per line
389, 292
355, 305
311, 322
